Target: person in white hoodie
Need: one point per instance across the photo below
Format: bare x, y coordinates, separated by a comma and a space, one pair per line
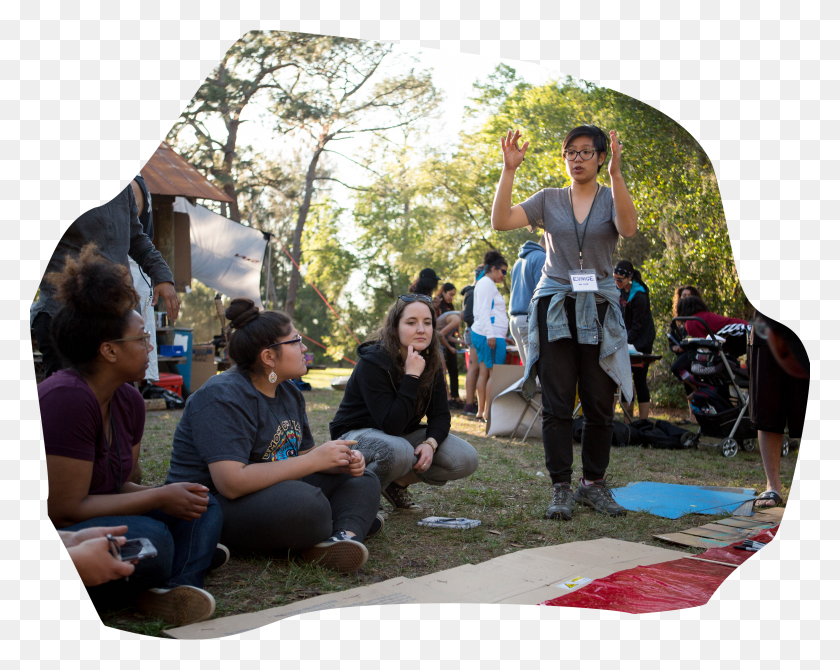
490, 326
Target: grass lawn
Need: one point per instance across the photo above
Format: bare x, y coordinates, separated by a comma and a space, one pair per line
505, 493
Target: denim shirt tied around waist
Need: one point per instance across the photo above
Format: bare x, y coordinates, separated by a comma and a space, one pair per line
614, 354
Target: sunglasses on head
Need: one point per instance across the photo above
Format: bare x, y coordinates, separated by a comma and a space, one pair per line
414, 297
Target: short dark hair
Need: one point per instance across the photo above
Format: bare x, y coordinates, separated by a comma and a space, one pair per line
494, 259
252, 331
691, 305
97, 298
599, 138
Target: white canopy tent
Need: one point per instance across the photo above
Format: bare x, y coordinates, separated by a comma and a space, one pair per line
225, 255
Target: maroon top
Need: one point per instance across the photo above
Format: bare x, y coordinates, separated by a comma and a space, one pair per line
72, 423
715, 321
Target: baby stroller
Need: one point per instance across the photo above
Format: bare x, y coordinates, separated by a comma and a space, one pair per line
720, 402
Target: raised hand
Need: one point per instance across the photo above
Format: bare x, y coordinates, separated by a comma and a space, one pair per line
414, 362
615, 159
513, 155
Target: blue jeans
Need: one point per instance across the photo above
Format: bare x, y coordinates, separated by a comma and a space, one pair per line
184, 551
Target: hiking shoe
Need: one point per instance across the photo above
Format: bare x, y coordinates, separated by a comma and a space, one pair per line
562, 502
599, 497
180, 605
378, 524
220, 557
470, 409
338, 552
399, 498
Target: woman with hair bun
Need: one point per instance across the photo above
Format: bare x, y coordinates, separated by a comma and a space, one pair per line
93, 420
245, 435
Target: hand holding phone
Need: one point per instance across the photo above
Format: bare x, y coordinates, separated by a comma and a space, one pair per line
132, 550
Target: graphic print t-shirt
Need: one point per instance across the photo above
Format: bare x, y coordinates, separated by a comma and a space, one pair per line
228, 419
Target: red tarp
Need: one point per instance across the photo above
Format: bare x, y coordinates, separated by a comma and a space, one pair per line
661, 587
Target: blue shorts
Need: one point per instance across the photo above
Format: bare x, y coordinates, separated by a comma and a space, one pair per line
487, 355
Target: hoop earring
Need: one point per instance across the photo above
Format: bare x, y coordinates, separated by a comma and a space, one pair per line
272, 377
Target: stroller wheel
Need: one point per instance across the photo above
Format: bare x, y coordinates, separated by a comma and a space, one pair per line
729, 447
748, 445
687, 439
785, 446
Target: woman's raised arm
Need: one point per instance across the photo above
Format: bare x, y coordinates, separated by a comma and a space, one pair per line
504, 216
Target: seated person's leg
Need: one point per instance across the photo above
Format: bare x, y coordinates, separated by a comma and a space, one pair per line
387, 456
195, 543
454, 459
291, 515
354, 501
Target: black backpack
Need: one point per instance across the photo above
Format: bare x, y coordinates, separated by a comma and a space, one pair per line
659, 435
468, 305
621, 436
708, 401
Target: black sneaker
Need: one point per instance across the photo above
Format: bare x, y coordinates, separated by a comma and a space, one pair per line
399, 498
599, 497
378, 524
470, 409
338, 552
562, 502
220, 557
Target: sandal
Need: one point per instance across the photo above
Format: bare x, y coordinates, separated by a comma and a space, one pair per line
770, 496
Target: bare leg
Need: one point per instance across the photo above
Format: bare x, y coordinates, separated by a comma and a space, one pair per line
644, 410
472, 377
406, 480
481, 388
770, 445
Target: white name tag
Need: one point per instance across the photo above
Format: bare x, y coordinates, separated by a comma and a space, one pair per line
583, 281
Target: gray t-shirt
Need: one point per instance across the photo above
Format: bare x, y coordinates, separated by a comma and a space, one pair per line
551, 210
228, 419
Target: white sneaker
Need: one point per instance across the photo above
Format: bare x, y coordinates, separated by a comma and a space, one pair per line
338, 552
180, 605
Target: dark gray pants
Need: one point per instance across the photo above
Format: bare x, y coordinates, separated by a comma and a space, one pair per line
563, 366
298, 514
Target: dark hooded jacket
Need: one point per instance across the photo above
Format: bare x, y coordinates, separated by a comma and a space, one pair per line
375, 399
641, 331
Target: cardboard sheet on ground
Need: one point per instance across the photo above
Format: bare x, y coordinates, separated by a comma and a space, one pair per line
672, 501
526, 577
508, 406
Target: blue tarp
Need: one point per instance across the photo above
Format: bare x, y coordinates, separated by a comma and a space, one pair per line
675, 500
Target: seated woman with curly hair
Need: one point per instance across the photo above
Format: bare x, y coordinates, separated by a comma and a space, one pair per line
93, 420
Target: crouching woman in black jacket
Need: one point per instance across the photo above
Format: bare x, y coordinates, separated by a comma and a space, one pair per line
641, 331
397, 382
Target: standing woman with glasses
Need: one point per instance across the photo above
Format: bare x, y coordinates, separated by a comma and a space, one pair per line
576, 334
93, 421
397, 383
490, 327
245, 435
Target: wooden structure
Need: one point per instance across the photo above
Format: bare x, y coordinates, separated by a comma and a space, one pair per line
167, 176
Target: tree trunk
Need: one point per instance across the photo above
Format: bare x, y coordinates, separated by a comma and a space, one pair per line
294, 278
230, 153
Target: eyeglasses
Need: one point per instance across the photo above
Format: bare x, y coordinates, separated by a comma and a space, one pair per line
504, 272
145, 336
297, 340
414, 297
585, 154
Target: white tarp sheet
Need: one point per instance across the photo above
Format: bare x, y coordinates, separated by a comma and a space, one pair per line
226, 256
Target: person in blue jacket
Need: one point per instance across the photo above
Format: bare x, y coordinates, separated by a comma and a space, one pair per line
523, 280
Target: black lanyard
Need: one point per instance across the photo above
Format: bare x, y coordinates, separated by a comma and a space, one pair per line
585, 223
